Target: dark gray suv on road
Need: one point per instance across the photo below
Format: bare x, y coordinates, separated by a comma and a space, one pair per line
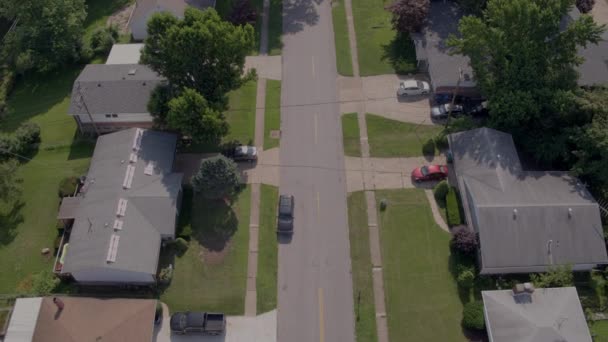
285, 220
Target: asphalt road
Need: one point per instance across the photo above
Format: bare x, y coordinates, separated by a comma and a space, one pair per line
315, 300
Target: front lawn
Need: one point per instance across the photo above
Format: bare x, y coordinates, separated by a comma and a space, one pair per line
28, 226
272, 115
599, 331
391, 138
266, 285
344, 61
212, 274
380, 50
350, 135
363, 290
421, 295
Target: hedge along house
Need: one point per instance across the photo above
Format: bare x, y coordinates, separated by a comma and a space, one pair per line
110, 97
144, 9
527, 221
128, 205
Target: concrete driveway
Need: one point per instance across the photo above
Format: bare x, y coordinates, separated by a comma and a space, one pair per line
262, 328
377, 95
386, 173
265, 171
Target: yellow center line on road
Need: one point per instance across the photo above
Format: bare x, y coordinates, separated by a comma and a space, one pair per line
321, 317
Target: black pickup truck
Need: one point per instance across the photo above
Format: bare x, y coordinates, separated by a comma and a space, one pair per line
198, 322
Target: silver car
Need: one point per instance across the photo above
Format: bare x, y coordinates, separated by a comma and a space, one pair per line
441, 111
413, 87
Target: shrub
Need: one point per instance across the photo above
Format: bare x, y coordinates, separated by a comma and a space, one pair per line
180, 245
585, 6
464, 241
166, 274
452, 208
243, 13
428, 149
103, 39
44, 283
559, 276
598, 282
440, 191
68, 186
466, 277
409, 15
23, 141
472, 316
441, 141
6, 85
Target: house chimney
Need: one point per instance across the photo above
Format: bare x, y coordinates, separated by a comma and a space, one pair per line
529, 287
59, 303
514, 214
569, 212
518, 289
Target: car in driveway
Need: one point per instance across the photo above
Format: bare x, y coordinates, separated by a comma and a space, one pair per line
441, 111
243, 153
285, 218
413, 87
207, 323
430, 173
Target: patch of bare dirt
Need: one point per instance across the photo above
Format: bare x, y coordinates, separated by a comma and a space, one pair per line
120, 19
215, 257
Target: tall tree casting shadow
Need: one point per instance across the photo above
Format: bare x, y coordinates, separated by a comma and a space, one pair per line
401, 54
9, 220
213, 223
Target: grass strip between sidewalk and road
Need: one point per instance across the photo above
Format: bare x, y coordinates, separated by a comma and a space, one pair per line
421, 295
344, 61
272, 115
390, 138
363, 291
267, 250
350, 135
212, 274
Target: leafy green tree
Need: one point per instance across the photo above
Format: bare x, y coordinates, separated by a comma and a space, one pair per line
103, 39
473, 6
9, 186
217, 177
201, 52
47, 35
158, 105
524, 62
559, 276
191, 115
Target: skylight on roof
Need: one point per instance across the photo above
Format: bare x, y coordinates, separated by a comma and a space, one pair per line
122, 207
118, 224
149, 170
113, 248
137, 139
133, 158
126, 183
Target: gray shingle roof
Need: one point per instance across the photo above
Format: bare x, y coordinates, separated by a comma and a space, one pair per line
151, 203
526, 220
549, 314
431, 45
110, 89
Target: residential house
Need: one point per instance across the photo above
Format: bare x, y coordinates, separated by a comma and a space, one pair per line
110, 97
61, 319
128, 205
527, 314
527, 221
144, 9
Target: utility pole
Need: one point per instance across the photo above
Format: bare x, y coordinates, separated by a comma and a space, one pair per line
84, 104
447, 122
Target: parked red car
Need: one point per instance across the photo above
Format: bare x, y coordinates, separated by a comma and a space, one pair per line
430, 172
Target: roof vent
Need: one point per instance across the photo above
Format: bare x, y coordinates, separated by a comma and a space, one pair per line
569, 212
144, 83
132, 71
99, 84
514, 214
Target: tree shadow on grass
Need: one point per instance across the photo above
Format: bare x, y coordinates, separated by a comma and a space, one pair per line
9, 220
214, 222
401, 54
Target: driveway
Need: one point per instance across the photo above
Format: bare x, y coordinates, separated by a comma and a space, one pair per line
265, 66
377, 95
265, 171
385, 173
262, 328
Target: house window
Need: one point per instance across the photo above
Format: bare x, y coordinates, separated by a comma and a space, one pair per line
108, 116
114, 115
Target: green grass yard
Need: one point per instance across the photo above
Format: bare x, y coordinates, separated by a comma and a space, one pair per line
350, 135
241, 113
365, 312
343, 55
420, 293
267, 250
212, 274
599, 331
390, 138
272, 115
380, 51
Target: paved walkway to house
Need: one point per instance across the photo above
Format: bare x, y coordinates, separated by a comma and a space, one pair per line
352, 89
262, 328
600, 12
265, 66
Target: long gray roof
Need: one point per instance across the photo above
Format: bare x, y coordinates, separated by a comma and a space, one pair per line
151, 202
431, 46
548, 314
526, 220
113, 89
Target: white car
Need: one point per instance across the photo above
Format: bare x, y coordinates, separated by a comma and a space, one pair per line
413, 87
